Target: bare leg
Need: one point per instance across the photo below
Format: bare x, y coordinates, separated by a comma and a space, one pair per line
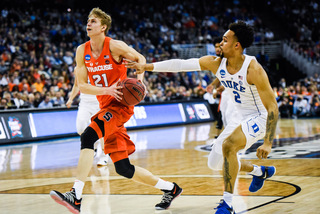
84, 164
230, 147
142, 175
246, 166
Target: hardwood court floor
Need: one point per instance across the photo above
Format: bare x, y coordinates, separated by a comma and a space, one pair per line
29, 171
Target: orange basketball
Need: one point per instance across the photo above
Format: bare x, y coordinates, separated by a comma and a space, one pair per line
133, 91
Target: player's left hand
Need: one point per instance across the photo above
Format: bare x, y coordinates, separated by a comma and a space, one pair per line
263, 151
134, 65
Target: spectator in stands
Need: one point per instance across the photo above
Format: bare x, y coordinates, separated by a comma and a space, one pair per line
315, 105
3, 67
37, 99
38, 85
10, 103
58, 100
46, 103
3, 103
300, 107
4, 79
30, 101
285, 108
17, 99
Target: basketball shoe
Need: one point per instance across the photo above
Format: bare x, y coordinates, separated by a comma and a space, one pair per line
168, 196
224, 208
68, 200
258, 181
103, 160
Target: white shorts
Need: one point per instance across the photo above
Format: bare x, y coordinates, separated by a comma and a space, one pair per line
85, 111
253, 128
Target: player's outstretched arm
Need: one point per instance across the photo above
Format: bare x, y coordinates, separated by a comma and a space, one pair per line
258, 77
173, 65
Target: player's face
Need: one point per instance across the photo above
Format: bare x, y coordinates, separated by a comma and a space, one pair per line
94, 26
228, 44
217, 48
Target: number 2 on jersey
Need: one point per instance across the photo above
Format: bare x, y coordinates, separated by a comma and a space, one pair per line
97, 80
237, 97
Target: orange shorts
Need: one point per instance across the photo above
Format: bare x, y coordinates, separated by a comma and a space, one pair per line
109, 124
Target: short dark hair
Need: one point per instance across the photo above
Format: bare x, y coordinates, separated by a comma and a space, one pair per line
216, 40
243, 32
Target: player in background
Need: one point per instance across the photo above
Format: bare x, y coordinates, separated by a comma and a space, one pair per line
101, 60
88, 107
214, 89
225, 113
247, 83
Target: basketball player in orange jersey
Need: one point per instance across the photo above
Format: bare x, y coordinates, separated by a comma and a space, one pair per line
101, 60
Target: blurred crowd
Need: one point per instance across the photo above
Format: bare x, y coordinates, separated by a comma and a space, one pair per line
302, 99
302, 22
38, 43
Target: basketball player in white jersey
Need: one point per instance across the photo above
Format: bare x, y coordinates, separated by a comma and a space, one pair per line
247, 83
88, 107
227, 113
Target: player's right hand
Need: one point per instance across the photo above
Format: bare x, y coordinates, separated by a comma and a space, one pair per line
69, 103
114, 91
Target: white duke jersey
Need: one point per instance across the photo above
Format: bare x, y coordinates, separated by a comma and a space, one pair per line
245, 97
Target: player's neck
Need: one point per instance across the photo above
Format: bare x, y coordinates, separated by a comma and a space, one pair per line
235, 62
97, 42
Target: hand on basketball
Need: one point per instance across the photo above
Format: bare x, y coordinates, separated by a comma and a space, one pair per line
263, 151
114, 91
134, 65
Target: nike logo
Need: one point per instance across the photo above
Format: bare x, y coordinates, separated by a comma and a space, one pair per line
174, 191
86, 62
77, 203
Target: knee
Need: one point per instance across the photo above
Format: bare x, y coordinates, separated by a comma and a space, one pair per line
232, 146
215, 158
228, 146
88, 138
124, 168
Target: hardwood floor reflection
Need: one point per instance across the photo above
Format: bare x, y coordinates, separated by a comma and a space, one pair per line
28, 172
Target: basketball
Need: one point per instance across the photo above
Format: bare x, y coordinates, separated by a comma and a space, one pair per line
133, 91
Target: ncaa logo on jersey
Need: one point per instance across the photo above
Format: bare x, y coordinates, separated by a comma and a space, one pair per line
222, 73
87, 57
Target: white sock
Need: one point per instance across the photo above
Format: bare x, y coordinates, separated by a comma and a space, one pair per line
256, 171
162, 184
78, 187
227, 197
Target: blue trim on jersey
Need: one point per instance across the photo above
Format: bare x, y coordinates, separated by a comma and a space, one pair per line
254, 100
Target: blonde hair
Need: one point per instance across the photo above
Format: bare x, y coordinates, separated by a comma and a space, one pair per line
104, 17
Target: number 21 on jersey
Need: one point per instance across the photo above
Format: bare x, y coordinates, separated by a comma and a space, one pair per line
100, 80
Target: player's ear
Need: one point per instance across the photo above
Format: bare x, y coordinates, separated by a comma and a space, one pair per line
237, 45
